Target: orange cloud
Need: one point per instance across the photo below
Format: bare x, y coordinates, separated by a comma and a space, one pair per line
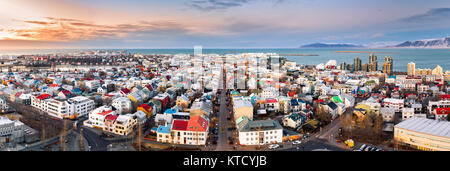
65, 29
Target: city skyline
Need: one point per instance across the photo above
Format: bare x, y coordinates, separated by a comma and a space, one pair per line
217, 24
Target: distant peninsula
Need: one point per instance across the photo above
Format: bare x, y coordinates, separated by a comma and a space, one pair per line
331, 45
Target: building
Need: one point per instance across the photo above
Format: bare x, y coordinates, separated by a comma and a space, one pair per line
396, 104
243, 108
261, 132
407, 113
388, 114
423, 134
179, 131
411, 69
437, 71
373, 64
97, 117
442, 113
293, 120
122, 104
163, 133
11, 131
197, 130
71, 108
357, 64
388, 66
109, 123
125, 124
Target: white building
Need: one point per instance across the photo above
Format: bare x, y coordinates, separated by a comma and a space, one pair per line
92, 85
260, 133
97, 116
70, 108
407, 113
396, 104
11, 131
388, 114
122, 104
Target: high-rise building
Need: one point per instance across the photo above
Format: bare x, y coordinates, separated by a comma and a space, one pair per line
411, 69
365, 67
373, 64
388, 65
343, 66
437, 71
357, 64
350, 67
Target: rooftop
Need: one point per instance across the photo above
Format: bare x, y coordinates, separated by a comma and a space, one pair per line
427, 126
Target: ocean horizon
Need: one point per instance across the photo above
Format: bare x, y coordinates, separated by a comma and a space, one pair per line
423, 57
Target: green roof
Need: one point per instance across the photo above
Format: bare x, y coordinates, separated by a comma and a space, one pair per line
337, 99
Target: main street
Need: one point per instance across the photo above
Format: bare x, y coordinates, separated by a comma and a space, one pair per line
222, 143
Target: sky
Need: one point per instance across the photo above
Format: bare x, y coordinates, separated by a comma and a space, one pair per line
46, 24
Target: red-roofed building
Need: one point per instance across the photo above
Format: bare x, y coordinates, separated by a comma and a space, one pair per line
97, 116
163, 98
43, 96
109, 123
36, 101
197, 124
447, 96
147, 109
292, 94
125, 91
272, 105
179, 130
197, 130
441, 113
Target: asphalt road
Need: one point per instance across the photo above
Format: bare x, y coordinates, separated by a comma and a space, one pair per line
95, 141
314, 145
222, 142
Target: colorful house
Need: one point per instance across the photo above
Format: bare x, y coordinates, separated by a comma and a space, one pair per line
147, 109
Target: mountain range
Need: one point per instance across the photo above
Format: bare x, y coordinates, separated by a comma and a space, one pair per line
331, 45
426, 43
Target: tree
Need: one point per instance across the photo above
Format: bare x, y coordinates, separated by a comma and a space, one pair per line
366, 125
378, 126
323, 115
448, 117
347, 122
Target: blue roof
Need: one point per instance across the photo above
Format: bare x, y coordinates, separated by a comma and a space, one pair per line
294, 102
170, 111
164, 129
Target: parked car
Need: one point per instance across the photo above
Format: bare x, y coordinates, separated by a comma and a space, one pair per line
274, 146
297, 142
362, 147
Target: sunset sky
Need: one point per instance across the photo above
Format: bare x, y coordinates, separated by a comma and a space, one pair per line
30, 24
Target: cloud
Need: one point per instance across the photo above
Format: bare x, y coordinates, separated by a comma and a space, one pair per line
435, 14
65, 29
210, 5
377, 35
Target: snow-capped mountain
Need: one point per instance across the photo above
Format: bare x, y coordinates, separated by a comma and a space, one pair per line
427, 43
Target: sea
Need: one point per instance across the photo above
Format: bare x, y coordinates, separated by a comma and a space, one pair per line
423, 58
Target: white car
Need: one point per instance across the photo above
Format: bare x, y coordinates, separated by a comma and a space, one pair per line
297, 142
274, 146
